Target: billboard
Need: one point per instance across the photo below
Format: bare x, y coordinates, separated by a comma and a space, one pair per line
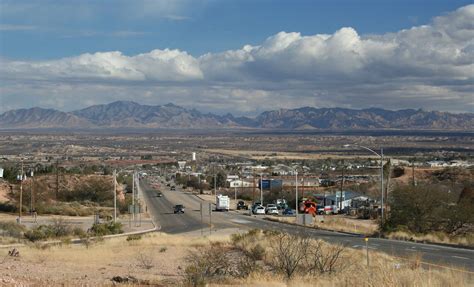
271, 184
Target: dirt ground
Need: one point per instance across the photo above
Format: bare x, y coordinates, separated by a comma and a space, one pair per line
155, 259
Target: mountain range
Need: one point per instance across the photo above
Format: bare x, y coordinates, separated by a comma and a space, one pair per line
126, 114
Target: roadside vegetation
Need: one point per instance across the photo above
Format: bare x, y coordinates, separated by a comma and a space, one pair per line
273, 258
438, 211
59, 229
254, 258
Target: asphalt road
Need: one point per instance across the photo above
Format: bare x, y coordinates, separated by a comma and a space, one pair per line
161, 209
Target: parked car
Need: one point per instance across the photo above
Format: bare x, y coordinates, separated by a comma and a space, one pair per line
255, 205
159, 194
241, 205
271, 205
172, 187
288, 211
178, 208
259, 210
272, 210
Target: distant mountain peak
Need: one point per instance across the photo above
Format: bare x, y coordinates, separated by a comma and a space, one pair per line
130, 114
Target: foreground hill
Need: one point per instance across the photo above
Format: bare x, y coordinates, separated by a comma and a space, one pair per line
133, 115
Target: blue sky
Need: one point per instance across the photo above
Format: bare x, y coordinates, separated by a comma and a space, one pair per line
193, 40
53, 29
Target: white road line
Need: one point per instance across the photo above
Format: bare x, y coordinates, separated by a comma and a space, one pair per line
427, 248
413, 250
460, 257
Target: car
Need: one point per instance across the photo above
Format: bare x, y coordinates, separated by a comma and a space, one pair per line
272, 210
241, 205
259, 210
172, 187
168, 184
159, 194
255, 204
178, 208
288, 211
271, 205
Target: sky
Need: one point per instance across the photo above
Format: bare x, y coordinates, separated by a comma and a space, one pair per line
238, 56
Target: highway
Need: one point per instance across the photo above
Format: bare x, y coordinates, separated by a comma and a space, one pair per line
161, 210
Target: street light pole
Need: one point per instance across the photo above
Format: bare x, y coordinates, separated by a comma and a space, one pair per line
381, 184
115, 196
21, 193
261, 189
296, 189
381, 171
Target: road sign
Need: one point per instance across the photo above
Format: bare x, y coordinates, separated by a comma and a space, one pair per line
133, 207
304, 219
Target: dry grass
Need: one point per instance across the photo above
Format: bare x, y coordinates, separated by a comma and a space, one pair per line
383, 270
259, 155
98, 263
434, 237
337, 223
166, 260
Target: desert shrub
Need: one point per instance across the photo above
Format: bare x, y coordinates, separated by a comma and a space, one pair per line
12, 229
93, 189
144, 261
79, 232
398, 171
101, 229
219, 262
134, 237
36, 234
207, 264
7, 207
289, 253
58, 229
426, 208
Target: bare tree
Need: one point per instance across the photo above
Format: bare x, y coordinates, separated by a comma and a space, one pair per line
290, 252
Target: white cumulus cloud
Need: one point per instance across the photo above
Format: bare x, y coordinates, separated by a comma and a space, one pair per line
429, 66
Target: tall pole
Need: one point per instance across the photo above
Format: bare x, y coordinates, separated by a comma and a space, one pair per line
31, 194
133, 196
296, 189
21, 193
261, 189
57, 179
381, 183
342, 186
115, 196
215, 185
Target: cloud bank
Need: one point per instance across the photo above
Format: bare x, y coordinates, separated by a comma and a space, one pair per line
429, 66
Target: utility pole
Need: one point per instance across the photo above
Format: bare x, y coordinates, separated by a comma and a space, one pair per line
57, 179
296, 189
381, 185
115, 196
31, 192
215, 185
342, 186
261, 189
413, 173
133, 196
253, 183
21, 193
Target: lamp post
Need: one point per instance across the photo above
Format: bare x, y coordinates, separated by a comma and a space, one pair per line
115, 195
381, 170
21, 177
296, 192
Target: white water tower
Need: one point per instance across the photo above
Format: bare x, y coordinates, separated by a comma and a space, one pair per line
194, 156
